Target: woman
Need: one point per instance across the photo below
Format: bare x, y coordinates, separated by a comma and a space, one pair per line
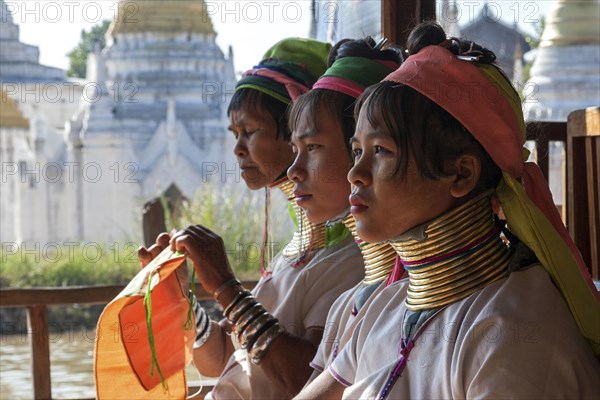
435, 143
273, 341
323, 123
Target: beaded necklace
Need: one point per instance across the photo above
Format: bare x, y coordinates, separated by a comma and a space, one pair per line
379, 258
447, 259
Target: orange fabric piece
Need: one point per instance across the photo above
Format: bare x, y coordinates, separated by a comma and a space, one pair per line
122, 356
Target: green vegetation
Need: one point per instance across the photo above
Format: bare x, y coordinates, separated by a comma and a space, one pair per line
59, 266
89, 42
237, 215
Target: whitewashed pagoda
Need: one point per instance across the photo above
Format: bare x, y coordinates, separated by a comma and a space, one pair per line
151, 123
565, 74
36, 100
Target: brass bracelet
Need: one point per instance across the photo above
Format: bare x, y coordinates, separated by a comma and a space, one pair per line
256, 329
230, 283
263, 342
240, 308
238, 298
246, 317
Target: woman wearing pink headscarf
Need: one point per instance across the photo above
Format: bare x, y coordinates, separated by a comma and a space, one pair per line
438, 145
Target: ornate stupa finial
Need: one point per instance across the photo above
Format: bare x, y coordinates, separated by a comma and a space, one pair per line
166, 16
571, 22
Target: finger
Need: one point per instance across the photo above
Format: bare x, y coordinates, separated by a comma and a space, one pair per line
155, 250
205, 232
144, 256
163, 240
182, 243
174, 236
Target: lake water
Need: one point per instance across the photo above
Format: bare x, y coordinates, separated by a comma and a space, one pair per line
71, 366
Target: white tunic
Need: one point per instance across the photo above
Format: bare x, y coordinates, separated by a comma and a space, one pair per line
300, 298
342, 319
513, 339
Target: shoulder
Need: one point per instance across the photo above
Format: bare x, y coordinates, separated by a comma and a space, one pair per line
345, 255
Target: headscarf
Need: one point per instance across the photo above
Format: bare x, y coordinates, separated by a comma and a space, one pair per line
485, 103
352, 75
288, 69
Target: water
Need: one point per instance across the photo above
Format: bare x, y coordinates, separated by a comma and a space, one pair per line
71, 361
71, 366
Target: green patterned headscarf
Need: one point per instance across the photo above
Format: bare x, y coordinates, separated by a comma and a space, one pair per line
288, 69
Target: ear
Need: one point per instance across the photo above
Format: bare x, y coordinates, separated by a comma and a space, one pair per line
468, 171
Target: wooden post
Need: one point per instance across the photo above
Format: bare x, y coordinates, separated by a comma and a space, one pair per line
583, 184
37, 326
398, 17
153, 221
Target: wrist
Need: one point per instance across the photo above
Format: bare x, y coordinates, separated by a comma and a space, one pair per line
231, 283
203, 324
228, 295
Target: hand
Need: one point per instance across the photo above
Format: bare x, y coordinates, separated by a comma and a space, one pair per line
146, 255
207, 251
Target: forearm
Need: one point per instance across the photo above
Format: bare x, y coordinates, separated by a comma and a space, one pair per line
287, 363
212, 347
210, 358
284, 358
324, 387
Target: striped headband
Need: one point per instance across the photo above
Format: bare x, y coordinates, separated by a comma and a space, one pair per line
352, 75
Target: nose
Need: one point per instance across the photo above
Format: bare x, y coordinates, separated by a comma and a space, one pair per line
240, 149
296, 172
359, 175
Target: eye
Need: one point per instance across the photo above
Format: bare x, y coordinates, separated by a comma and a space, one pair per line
381, 150
311, 147
356, 153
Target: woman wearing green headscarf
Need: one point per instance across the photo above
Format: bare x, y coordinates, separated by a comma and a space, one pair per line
263, 347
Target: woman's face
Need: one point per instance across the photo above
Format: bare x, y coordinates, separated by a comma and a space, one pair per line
320, 168
384, 205
262, 156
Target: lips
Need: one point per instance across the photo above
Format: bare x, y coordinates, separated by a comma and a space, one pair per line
247, 167
357, 205
301, 197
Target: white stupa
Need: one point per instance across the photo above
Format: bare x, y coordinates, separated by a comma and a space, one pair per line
149, 120
565, 75
156, 122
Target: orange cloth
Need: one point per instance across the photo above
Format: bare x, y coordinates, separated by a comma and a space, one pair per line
122, 355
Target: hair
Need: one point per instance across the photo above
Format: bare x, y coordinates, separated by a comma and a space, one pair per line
257, 101
339, 106
422, 130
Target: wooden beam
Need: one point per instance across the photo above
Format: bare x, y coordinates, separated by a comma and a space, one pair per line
398, 17
77, 295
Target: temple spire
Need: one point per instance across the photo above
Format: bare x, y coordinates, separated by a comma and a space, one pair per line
177, 16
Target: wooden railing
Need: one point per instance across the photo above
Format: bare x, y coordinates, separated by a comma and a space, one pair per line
37, 300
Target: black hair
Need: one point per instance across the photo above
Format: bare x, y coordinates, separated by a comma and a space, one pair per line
366, 48
338, 105
421, 129
257, 101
